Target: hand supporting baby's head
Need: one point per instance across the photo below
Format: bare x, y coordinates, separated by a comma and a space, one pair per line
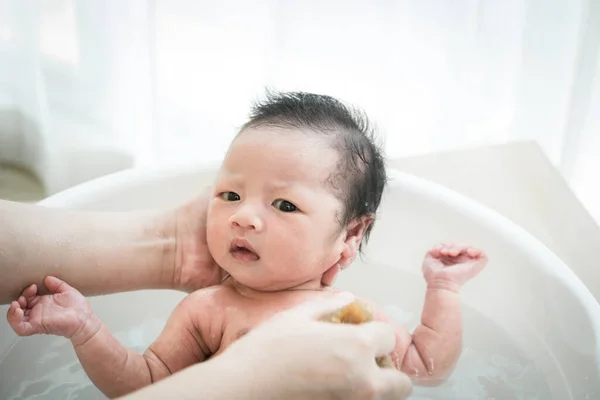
296, 194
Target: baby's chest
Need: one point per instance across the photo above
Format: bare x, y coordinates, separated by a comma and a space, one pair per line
244, 315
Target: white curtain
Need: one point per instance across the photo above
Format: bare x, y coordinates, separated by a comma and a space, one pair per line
89, 87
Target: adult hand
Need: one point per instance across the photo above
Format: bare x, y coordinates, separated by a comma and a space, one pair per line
296, 356
194, 267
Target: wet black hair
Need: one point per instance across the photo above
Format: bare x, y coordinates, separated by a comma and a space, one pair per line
360, 176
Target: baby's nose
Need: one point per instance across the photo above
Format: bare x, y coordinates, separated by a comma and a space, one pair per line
246, 217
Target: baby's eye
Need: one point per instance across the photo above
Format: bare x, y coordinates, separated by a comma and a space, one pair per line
230, 196
284, 205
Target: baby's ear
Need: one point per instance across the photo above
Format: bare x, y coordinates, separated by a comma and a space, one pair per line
355, 231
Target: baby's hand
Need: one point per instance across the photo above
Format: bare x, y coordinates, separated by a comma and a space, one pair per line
65, 312
450, 266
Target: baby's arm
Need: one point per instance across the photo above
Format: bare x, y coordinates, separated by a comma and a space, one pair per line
117, 371
430, 354
436, 343
113, 368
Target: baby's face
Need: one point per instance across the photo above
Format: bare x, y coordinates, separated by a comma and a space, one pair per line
272, 222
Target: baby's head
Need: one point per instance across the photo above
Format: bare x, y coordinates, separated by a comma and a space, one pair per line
297, 192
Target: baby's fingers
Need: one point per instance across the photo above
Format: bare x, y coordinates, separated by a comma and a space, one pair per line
435, 253
17, 320
459, 248
471, 252
450, 250
470, 268
27, 299
29, 293
31, 290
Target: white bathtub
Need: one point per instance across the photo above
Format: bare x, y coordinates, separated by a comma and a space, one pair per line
532, 328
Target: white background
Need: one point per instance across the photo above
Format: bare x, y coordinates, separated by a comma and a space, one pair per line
91, 87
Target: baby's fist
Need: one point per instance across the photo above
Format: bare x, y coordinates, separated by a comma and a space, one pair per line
65, 312
451, 265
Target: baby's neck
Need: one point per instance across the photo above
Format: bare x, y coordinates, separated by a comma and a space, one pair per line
314, 285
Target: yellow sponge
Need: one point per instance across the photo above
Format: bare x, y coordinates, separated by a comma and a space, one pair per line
358, 313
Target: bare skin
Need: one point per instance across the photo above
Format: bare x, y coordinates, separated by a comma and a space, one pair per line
105, 252
208, 321
307, 366
108, 252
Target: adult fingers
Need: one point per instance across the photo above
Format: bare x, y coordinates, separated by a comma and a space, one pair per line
391, 384
379, 335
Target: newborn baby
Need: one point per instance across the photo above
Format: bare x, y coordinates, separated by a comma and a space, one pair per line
296, 195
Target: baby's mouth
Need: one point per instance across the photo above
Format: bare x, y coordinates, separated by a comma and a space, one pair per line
242, 251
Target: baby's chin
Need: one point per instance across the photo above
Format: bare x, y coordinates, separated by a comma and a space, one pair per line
260, 285
264, 282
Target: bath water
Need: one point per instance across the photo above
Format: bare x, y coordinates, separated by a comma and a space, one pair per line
491, 365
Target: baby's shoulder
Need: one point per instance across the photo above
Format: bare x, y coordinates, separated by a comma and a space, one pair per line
208, 298
205, 307
208, 292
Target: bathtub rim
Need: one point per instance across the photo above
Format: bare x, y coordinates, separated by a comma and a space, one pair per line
548, 262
